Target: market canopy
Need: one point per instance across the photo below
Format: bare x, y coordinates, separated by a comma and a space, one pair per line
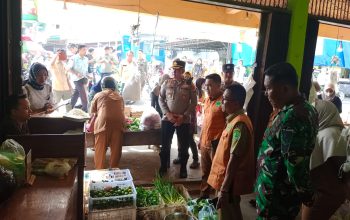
197, 45
181, 9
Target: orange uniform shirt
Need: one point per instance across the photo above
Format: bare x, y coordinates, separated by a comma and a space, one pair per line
214, 121
109, 107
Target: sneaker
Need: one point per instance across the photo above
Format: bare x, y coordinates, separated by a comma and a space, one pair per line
176, 161
195, 164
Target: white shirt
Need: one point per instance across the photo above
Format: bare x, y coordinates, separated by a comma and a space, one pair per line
78, 64
128, 70
39, 98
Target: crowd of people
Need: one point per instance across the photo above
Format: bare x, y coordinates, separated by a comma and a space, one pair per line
301, 160
76, 74
301, 142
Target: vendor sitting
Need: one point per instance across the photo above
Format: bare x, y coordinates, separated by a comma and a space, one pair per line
38, 91
17, 114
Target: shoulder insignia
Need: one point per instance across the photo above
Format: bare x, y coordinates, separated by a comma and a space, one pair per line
236, 134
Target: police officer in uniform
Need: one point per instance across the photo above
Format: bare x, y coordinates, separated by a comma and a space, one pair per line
177, 100
228, 71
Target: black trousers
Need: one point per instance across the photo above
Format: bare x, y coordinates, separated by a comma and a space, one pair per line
182, 133
193, 147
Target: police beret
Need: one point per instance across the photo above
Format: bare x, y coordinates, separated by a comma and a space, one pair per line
177, 64
228, 68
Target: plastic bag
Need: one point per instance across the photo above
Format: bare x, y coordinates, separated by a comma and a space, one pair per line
7, 184
12, 146
208, 213
57, 168
150, 119
249, 85
202, 209
12, 157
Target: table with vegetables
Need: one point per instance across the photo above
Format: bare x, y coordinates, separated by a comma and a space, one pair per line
142, 128
111, 193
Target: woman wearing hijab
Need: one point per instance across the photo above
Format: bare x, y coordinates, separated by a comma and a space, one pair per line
108, 106
329, 95
38, 91
327, 157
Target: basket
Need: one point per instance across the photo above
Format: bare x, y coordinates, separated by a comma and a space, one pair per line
112, 202
110, 175
113, 214
169, 209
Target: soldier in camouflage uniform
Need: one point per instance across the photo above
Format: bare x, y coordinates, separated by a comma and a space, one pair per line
177, 99
283, 180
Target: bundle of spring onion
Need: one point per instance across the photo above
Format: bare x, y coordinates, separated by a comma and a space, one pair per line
168, 192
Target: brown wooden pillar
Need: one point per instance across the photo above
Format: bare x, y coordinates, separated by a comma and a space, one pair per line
309, 56
272, 48
10, 52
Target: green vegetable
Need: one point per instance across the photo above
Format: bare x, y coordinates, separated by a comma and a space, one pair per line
112, 203
134, 124
146, 197
168, 192
116, 191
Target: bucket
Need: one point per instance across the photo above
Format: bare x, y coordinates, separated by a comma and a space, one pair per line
178, 216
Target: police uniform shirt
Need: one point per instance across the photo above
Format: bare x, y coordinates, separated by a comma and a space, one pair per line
177, 97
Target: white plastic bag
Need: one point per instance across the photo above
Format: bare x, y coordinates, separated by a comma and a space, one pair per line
12, 157
11, 146
150, 119
249, 85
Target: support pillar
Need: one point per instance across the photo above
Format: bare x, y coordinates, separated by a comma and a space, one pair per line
297, 34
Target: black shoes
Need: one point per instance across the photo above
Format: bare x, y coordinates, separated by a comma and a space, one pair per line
162, 171
195, 164
176, 161
183, 172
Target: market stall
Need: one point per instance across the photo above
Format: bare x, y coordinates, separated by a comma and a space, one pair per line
49, 141
111, 194
137, 133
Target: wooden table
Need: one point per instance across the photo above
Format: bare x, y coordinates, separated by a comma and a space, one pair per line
48, 199
132, 138
48, 141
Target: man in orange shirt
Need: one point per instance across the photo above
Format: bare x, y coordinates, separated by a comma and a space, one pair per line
213, 125
233, 169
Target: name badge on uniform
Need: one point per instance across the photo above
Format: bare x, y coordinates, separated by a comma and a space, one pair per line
218, 104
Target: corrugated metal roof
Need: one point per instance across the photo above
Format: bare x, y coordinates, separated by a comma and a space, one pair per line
332, 9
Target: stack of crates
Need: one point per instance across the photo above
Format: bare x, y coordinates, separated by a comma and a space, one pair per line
112, 195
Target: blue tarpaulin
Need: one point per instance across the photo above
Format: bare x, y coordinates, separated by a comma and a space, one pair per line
331, 48
245, 53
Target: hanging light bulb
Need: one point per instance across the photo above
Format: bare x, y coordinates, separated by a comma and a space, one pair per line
340, 47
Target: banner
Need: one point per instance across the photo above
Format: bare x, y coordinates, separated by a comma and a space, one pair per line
29, 10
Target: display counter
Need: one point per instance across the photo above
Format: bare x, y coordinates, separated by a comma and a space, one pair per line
48, 141
47, 198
